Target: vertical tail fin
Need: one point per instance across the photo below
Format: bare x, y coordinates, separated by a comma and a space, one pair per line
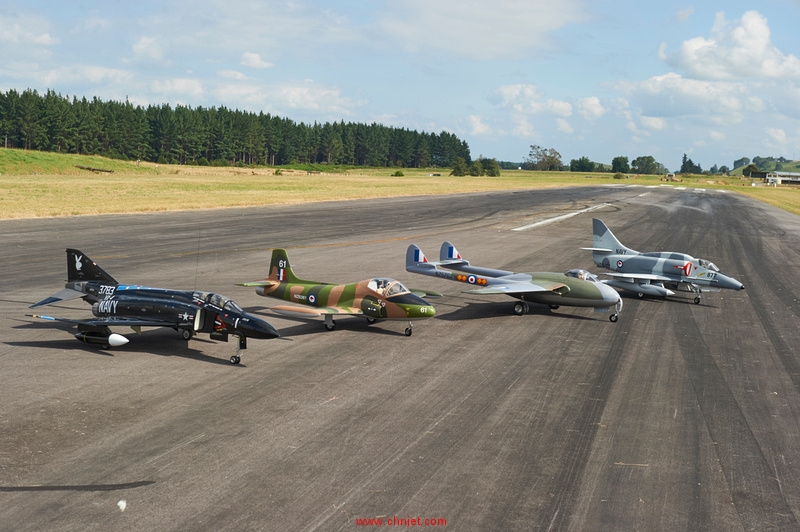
448, 252
414, 255
603, 238
279, 268
82, 268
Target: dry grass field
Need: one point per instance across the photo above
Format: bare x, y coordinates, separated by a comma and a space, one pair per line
36, 184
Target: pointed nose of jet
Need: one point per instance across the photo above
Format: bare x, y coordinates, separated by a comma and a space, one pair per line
253, 327
723, 281
423, 309
608, 294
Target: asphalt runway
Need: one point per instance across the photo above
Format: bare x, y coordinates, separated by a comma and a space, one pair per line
677, 417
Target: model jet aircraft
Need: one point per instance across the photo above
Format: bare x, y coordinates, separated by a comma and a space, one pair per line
375, 299
657, 273
575, 288
114, 304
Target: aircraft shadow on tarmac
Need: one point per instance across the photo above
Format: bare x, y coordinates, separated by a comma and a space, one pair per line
163, 342
670, 301
475, 310
347, 323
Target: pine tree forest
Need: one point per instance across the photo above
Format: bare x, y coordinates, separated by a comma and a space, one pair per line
215, 136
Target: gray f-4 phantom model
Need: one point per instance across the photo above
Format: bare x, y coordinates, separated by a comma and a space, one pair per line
133, 306
575, 288
657, 273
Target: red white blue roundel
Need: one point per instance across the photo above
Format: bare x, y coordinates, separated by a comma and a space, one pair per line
312, 298
471, 279
619, 264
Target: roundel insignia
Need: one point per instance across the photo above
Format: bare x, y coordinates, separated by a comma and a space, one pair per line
619, 264
312, 298
471, 279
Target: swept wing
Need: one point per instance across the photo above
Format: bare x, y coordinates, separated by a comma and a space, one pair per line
109, 322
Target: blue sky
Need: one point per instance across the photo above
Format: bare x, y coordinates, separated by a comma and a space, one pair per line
715, 80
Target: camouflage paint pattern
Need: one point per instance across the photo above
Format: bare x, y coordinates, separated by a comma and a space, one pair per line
365, 298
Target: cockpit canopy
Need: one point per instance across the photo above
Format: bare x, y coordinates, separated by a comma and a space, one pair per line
387, 287
708, 264
218, 300
582, 274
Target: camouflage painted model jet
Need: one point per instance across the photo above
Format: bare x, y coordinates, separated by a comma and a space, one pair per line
657, 273
375, 299
114, 304
575, 288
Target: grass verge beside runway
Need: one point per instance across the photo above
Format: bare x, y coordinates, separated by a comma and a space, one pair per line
38, 184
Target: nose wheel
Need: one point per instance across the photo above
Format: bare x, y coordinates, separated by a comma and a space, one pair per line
697, 291
408, 329
235, 359
617, 308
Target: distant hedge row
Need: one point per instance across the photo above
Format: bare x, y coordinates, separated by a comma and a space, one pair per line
216, 136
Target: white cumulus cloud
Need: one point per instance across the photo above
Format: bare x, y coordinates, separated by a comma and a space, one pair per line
563, 126
253, 60
778, 135
477, 29
734, 51
476, 125
590, 108
524, 98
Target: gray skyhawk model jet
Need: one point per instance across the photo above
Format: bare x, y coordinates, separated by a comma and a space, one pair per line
575, 288
133, 306
656, 273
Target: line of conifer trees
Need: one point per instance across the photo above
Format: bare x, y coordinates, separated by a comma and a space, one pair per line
215, 135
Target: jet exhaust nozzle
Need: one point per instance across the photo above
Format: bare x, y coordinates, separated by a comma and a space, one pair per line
91, 337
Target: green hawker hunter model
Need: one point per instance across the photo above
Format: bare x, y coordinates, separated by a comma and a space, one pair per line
575, 288
375, 299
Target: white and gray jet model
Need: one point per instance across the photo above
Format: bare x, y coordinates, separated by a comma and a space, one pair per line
657, 273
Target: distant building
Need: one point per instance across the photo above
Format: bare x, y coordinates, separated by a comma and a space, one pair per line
779, 178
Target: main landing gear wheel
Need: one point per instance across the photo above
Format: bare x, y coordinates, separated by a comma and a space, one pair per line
613, 318
186, 334
330, 326
235, 359
553, 307
371, 320
520, 308
640, 294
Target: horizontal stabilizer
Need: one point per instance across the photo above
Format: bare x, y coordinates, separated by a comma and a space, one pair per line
109, 321
425, 293
259, 283
599, 250
64, 295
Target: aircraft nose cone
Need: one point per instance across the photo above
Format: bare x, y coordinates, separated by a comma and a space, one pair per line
610, 295
257, 328
429, 311
729, 282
